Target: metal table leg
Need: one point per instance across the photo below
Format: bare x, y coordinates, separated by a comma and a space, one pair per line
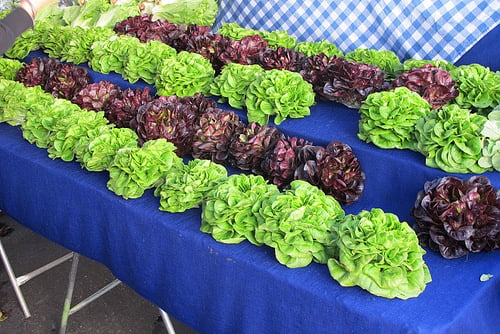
16, 282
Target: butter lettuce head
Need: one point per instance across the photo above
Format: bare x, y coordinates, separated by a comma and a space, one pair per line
478, 86
388, 118
134, 170
184, 188
231, 211
380, 254
450, 138
298, 224
233, 81
278, 93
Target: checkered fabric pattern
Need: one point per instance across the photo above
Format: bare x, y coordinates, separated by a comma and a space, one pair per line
425, 29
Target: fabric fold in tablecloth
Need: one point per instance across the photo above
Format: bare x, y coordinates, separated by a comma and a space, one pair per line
427, 29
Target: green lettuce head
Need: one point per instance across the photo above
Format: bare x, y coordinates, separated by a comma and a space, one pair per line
388, 118
379, 254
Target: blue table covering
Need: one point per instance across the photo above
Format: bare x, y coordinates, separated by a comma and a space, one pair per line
428, 29
219, 288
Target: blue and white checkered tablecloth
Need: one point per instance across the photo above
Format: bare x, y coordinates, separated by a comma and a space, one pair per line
425, 29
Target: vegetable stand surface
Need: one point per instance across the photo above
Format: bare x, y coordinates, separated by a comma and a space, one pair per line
219, 288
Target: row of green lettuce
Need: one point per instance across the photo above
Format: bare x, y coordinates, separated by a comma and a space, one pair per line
373, 249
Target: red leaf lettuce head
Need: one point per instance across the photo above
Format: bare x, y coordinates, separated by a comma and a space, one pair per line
351, 82
457, 217
433, 83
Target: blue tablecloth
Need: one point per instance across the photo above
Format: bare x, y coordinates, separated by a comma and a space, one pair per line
428, 29
219, 288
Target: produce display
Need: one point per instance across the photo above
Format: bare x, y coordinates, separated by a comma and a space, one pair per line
296, 222
334, 78
196, 126
290, 194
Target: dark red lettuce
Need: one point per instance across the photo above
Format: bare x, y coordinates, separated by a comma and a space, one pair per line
246, 51
123, 108
36, 72
281, 58
341, 173
455, 217
350, 82
62, 80
249, 146
313, 71
334, 169
167, 117
215, 130
97, 96
281, 161
433, 83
